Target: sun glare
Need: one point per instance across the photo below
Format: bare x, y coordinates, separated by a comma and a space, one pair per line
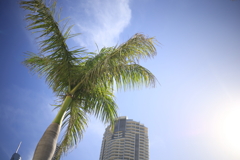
231, 129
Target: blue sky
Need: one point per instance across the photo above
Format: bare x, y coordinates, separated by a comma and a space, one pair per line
192, 114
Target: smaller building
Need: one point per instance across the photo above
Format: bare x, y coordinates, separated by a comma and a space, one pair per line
15, 155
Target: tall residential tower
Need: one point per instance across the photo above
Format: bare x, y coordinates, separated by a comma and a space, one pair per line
128, 141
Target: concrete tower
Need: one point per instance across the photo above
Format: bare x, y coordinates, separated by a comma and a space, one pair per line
128, 141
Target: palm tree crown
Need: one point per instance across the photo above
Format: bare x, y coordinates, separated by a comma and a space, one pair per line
84, 81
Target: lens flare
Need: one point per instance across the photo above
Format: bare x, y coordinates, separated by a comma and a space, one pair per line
231, 129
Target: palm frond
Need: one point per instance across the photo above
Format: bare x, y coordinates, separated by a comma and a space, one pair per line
136, 48
99, 102
53, 45
119, 65
130, 76
74, 124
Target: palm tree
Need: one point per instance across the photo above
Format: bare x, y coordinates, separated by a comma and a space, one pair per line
84, 82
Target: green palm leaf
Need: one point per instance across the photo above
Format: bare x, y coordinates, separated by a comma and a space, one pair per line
99, 102
53, 47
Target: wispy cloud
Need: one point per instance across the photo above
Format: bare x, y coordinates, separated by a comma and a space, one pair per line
100, 22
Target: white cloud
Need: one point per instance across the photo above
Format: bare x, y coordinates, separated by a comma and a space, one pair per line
101, 22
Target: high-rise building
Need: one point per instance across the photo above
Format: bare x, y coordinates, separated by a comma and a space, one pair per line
15, 155
127, 141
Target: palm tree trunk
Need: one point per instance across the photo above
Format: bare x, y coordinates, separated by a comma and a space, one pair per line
46, 146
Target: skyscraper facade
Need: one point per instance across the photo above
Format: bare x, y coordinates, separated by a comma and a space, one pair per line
128, 141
